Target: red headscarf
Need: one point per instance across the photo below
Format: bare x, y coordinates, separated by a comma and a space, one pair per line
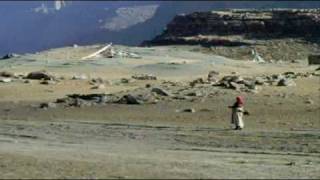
240, 100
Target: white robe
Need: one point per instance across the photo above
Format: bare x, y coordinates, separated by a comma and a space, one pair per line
237, 115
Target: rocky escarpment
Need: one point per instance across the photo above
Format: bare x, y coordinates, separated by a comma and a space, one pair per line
261, 29
266, 23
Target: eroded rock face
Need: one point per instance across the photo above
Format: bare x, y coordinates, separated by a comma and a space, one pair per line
252, 23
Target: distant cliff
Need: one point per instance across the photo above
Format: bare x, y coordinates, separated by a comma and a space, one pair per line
273, 23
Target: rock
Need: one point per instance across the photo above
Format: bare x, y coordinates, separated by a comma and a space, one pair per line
190, 110
250, 84
100, 86
47, 82
40, 75
259, 81
286, 82
160, 91
27, 81
309, 101
144, 77
318, 69
195, 93
79, 77
290, 75
96, 80
291, 164
196, 81
277, 77
213, 76
148, 85
314, 59
87, 99
316, 73
7, 74
48, 105
81, 103
124, 80
275, 23
235, 86
129, 99
10, 55
5, 80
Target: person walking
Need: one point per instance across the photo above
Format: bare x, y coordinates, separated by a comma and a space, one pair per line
237, 113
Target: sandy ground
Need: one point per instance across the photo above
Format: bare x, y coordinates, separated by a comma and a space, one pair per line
281, 138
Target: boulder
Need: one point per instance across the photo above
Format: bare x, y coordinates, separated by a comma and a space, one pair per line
144, 77
286, 82
259, 81
189, 110
213, 76
160, 91
129, 99
5, 80
48, 105
195, 93
47, 82
309, 101
10, 55
235, 86
99, 86
196, 81
7, 74
95, 80
39, 75
124, 80
79, 77
314, 59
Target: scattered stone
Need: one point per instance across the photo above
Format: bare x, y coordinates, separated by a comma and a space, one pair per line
144, 77
195, 93
259, 81
40, 75
6, 80
196, 81
314, 59
250, 85
79, 77
10, 55
235, 86
129, 99
160, 92
27, 81
97, 81
124, 80
286, 82
204, 110
291, 164
48, 105
7, 74
213, 76
100, 86
47, 82
309, 101
190, 110
148, 85
316, 73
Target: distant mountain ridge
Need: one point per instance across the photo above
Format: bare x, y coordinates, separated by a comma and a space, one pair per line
30, 26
